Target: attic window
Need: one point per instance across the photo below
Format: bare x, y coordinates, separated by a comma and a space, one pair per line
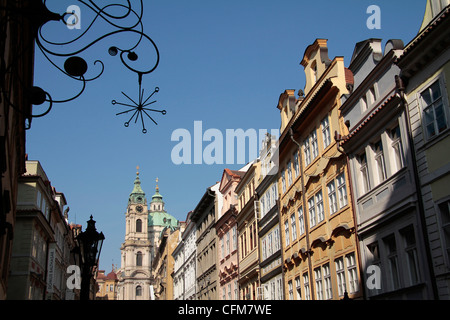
314, 71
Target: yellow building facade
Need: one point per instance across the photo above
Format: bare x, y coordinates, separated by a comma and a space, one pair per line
318, 237
247, 225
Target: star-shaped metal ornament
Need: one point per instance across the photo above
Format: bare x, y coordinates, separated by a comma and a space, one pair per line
139, 108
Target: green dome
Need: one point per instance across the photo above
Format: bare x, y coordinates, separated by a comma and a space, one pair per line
159, 218
157, 215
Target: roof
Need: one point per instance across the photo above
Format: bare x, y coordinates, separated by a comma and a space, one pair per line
162, 218
368, 119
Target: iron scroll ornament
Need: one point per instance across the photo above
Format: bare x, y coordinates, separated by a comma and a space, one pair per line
116, 15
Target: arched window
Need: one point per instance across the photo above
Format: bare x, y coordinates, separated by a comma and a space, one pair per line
138, 225
139, 259
138, 291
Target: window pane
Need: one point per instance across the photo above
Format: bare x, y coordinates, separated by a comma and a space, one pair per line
312, 212
435, 91
426, 97
440, 117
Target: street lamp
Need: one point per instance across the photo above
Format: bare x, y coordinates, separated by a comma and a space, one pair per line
90, 242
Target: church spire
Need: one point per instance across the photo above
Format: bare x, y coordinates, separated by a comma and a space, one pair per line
137, 194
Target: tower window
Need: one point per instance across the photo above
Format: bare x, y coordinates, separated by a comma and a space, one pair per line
138, 225
139, 259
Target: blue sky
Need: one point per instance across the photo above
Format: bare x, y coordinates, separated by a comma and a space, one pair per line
224, 63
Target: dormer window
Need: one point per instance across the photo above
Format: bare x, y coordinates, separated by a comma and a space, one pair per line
314, 71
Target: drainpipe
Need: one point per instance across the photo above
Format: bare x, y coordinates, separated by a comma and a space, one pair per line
308, 245
355, 221
401, 90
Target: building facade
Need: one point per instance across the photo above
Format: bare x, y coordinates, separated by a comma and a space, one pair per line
163, 264
205, 216
425, 74
144, 224
247, 224
267, 214
318, 230
107, 285
15, 110
226, 229
43, 243
185, 257
388, 216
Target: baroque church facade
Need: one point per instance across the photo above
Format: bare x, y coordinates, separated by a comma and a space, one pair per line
144, 223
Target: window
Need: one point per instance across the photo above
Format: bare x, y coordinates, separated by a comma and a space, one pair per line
363, 103
293, 227
391, 249
342, 191
138, 225
379, 159
298, 288
138, 291
327, 281
444, 209
314, 71
394, 134
139, 259
279, 282
332, 197
326, 132
318, 279
286, 232
314, 145
364, 172
264, 248
312, 212
289, 172
319, 205
255, 237
234, 238
340, 275
371, 95
434, 114
409, 241
276, 236
374, 254
270, 248
307, 294
228, 243
301, 221
291, 290
307, 151
283, 180
251, 237
296, 167
351, 273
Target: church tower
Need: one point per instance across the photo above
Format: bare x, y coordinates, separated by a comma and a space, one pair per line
144, 224
136, 250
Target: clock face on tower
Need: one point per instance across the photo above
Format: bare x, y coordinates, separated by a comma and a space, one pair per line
139, 208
